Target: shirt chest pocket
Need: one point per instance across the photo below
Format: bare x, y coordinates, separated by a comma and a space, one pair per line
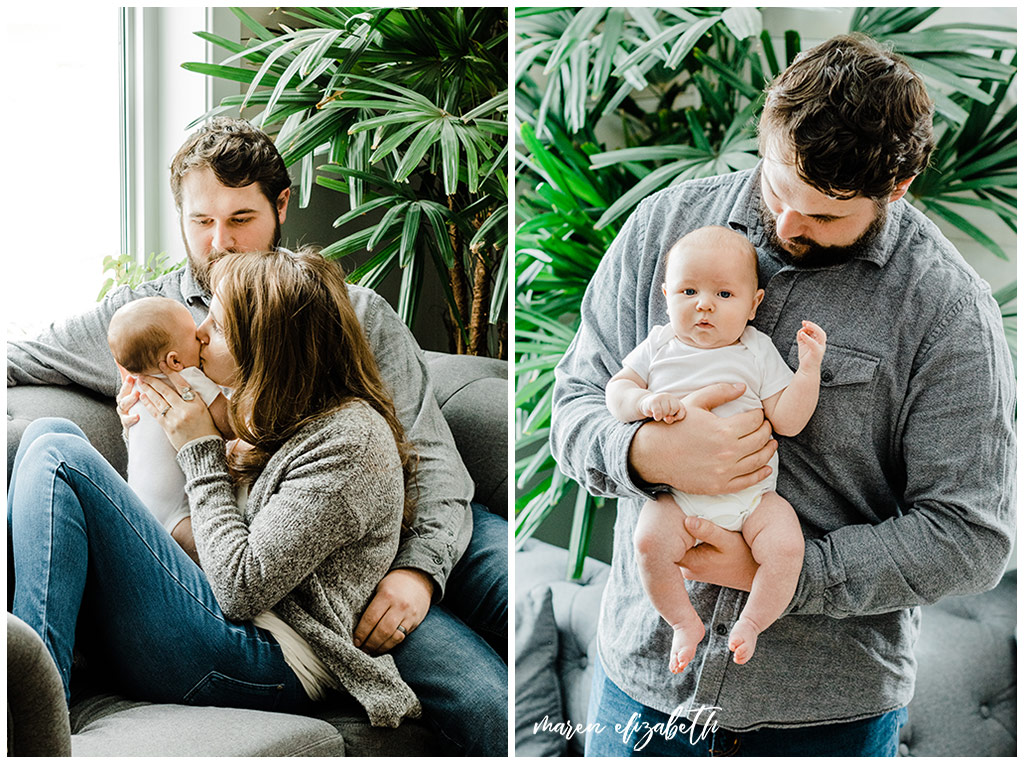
841, 420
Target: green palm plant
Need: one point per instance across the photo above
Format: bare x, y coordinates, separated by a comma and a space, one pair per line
682, 88
402, 111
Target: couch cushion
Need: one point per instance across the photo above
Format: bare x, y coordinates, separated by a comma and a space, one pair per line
94, 414
411, 737
575, 605
107, 725
473, 395
538, 690
965, 698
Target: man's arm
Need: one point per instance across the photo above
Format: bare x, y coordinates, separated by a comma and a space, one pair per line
958, 449
443, 523
75, 351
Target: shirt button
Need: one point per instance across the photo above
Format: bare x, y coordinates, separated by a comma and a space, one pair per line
985, 711
826, 375
721, 630
904, 749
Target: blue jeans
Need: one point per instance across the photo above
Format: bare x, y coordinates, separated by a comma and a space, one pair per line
460, 679
610, 706
88, 554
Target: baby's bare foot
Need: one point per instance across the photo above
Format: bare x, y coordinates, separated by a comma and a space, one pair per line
743, 640
685, 639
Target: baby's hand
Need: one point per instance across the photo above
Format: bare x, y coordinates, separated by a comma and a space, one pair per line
661, 407
811, 344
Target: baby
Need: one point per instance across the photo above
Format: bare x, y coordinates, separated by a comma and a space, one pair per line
141, 334
711, 288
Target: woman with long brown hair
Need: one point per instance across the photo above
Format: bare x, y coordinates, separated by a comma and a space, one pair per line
294, 524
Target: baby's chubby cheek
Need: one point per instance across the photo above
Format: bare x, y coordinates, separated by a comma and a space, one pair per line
191, 357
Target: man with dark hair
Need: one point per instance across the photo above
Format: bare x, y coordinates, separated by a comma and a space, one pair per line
232, 191
903, 480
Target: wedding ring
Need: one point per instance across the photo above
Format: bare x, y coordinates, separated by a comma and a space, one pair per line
164, 412
187, 394
401, 628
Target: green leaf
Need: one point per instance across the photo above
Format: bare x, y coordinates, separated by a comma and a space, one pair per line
223, 72
409, 291
424, 139
353, 214
391, 217
252, 25
410, 230
943, 211
579, 538
743, 22
449, 156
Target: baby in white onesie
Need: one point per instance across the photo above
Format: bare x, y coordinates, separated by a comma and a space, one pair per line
711, 289
141, 334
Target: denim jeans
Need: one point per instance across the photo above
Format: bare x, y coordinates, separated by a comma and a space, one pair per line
99, 525
87, 553
450, 660
629, 728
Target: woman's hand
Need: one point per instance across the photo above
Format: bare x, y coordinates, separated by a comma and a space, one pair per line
723, 559
182, 420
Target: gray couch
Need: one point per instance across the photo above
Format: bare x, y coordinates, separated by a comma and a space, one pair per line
473, 395
965, 702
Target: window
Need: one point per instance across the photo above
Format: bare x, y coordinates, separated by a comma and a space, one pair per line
63, 163
95, 118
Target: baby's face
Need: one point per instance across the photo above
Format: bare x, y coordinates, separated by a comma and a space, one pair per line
712, 293
184, 348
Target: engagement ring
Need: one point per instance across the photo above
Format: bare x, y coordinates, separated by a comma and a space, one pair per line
164, 412
187, 394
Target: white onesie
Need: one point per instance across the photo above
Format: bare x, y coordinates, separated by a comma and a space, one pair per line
669, 365
153, 471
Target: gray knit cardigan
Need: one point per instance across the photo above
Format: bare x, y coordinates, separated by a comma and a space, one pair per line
318, 533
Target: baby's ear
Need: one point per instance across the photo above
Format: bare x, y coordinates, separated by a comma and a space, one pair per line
173, 361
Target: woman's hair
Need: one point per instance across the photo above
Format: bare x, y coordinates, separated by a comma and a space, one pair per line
857, 118
300, 351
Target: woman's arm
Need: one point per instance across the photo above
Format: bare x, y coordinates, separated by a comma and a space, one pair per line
339, 479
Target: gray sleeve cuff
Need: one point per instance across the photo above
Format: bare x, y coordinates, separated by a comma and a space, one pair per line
809, 598
203, 456
435, 555
628, 481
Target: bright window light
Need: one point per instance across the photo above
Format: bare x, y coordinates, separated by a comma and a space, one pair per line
62, 160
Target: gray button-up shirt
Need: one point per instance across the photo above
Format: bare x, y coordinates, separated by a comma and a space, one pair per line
76, 351
903, 480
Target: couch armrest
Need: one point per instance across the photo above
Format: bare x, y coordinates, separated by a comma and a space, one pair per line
37, 715
473, 395
96, 416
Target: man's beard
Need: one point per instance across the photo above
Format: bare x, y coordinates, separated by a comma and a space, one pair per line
817, 255
201, 267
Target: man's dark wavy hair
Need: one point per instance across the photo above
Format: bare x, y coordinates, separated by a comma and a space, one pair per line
858, 117
238, 153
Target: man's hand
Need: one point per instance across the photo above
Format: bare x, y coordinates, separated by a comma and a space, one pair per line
705, 454
402, 599
723, 559
127, 397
